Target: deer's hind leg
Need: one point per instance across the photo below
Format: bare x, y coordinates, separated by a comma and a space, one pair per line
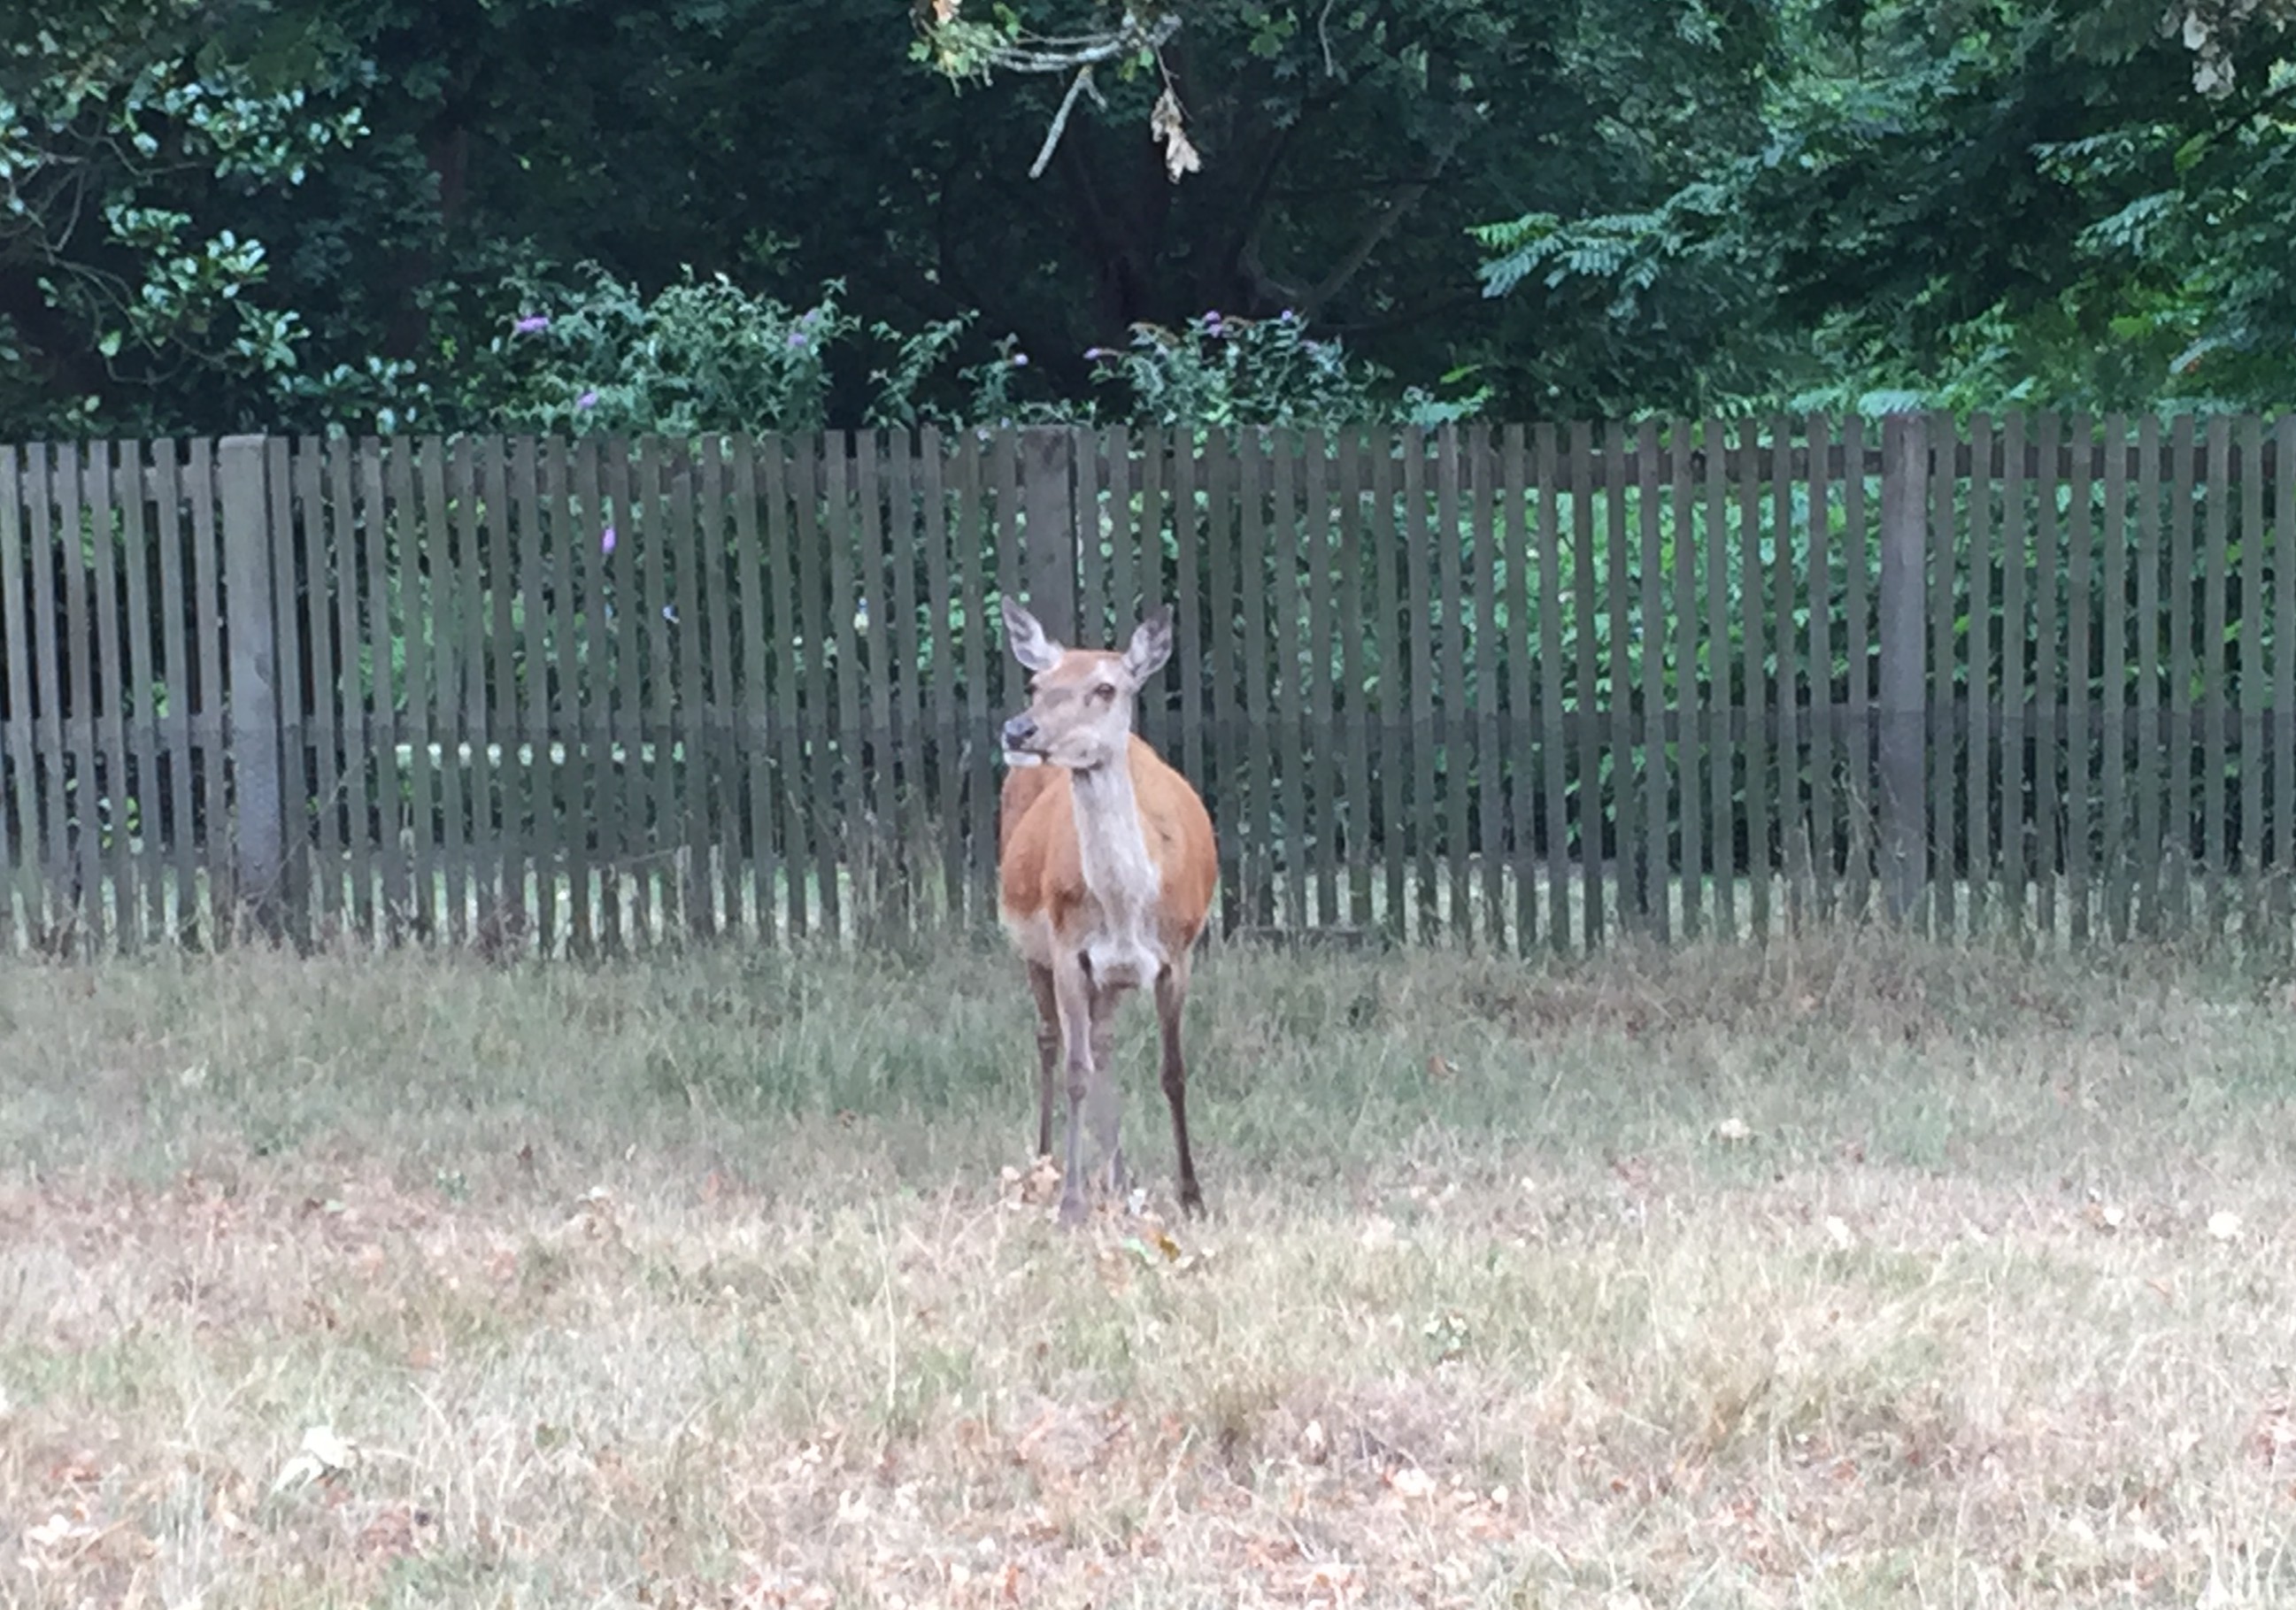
1171, 1002
1048, 1051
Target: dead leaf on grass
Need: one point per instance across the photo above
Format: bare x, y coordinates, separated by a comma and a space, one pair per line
324, 1454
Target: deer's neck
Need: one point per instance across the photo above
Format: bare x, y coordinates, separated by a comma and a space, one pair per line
1112, 849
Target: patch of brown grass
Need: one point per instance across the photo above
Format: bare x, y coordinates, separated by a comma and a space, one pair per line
1690, 1279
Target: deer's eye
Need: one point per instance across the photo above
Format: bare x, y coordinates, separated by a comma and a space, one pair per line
1103, 693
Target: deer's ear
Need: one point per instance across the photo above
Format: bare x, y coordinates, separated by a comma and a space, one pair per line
1029, 645
1151, 646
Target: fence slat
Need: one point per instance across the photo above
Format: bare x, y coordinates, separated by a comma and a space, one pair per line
324, 834
1556, 837
1943, 549
686, 743
1522, 734
2016, 648
1485, 568
84, 707
1617, 587
1352, 553
522, 636
2248, 851
796, 635
2079, 574
1587, 617
755, 722
1722, 756
2283, 673
1979, 809
947, 742
2213, 670
508, 922
1150, 579
1820, 564
876, 788
1256, 758
1419, 644
1793, 821
910, 749
2151, 768
1654, 881
1319, 697
108, 693
420, 545
811, 628
1387, 544
60, 917
1188, 737
175, 735
1002, 555
1228, 711
626, 911
2114, 851
1857, 651
385, 524
1288, 640
974, 540
662, 499
482, 512
1690, 743
1753, 693
2177, 871
1449, 689
857, 794
26, 847
722, 741
2047, 651
451, 539
566, 698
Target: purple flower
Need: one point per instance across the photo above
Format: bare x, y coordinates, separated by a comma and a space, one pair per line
1212, 324
531, 322
1288, 317
606, 541
588, 400
1093, 353
1020, 360
797, 340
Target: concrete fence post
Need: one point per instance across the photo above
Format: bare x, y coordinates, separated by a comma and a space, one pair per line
251, 631
1904, 693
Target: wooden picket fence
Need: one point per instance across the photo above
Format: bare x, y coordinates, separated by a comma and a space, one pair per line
1520, 687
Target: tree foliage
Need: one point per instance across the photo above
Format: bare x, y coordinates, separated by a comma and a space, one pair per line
289, 214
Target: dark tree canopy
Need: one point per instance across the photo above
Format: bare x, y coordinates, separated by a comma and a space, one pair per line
288, 213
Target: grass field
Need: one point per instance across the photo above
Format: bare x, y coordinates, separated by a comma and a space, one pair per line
1848, 1273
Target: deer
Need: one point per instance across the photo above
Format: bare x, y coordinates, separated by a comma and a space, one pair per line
1106, 861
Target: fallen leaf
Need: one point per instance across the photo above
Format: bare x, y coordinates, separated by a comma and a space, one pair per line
2224, 1225
1733, 1130
1412, 1483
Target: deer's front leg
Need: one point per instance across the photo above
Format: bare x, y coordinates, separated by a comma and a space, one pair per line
1048, 1051
1072, 995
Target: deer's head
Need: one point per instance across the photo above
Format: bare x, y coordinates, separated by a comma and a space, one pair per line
1079, 713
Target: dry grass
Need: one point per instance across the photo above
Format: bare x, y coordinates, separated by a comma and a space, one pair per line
1853, 1274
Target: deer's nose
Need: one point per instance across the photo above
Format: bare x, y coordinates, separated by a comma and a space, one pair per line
1018, 731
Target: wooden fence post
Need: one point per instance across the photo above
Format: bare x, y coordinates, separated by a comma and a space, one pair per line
1903, 698
1048, 456
254, 696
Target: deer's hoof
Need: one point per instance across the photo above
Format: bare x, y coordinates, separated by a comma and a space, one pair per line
1072, 1211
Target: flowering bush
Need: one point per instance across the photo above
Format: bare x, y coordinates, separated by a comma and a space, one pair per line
700, 356
1224, 370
